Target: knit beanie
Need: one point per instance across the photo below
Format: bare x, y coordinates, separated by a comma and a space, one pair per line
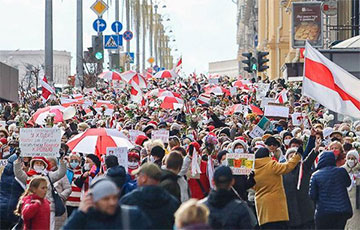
103, 187
95, 159
141, 139
158, 151
353, 153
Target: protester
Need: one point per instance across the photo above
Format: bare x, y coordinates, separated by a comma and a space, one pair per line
352, 166
192, 215
33, 207
152, 199
328, 190
100, 210
170, 178
270, 198
227, 212
73, 173
91, 170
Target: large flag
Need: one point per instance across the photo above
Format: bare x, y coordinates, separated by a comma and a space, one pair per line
46, 90
329, 84
281, 97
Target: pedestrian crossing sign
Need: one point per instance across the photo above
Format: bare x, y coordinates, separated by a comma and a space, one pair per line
113, 41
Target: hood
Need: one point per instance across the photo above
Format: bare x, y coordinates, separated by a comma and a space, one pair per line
118, 175
166, 174
326, 159
220, 198
152, 196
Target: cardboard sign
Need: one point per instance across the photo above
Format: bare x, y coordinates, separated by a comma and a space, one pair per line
161, 134
121, 153
297, 119
276, 111
40, 142
241, 164
265, 101
134, 134
256, 132
261, 91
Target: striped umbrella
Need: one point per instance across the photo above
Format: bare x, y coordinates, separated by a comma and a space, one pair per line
217, 90
171, 102
96, 141
166, 74
110, 75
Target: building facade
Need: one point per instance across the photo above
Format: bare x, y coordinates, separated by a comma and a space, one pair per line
224, 68
23, 60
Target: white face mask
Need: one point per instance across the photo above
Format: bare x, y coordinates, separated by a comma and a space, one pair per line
287, 142
240, 151
38, 168
351, 163
87, 167
133, 165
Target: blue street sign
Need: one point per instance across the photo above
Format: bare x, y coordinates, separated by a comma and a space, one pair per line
112, 41
116, 26
163, 68
131, 57
128, 35
99, 25
156, 68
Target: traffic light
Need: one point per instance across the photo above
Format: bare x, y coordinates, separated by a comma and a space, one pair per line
253, 64
98, 48
247, 62
261, 61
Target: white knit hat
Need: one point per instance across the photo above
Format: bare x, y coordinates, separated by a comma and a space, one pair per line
353, 153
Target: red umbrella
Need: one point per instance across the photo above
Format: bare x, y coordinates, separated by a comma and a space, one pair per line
241, 85
171, 102
217, 90
161, 93
138, 81
110, 75
39, 117
166, 74
237, 108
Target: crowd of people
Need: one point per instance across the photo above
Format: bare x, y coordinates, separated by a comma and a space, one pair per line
305, 175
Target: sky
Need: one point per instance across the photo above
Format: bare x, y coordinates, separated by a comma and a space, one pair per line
204, 30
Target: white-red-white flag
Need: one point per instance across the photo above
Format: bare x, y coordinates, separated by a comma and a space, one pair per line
329, 84
46, 90
281, 97
178, 65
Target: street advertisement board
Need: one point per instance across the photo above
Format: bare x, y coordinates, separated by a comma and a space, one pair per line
307, 24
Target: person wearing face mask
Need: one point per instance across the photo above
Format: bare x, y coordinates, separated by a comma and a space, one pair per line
40, 166
352, 166
338, 151
73, 173
133, 161
287, 136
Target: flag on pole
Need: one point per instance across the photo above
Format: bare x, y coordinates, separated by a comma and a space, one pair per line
329, 84
178, 65
281, 97
46, 90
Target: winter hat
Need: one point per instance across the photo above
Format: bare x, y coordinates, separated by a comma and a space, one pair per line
162, 125
141, 139
103, 187
221, 154
223, 174
327, 132
239, 142
353, 153
175, 126
286, 134
262, 153
3, 141
295, 131
134, 154
289, 151
83, 126
211, 128
95, 159
158, 151
148, 127
272, 141
42, 159
226, 131
150, 169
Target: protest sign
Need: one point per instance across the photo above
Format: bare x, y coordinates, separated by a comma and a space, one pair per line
134, 134
256, 132
2, 124
240, 164
277, 111
214, 81
40, 142
161, 134
261, 91
297, 119
233, 90
121, 153
265, 101
259, 130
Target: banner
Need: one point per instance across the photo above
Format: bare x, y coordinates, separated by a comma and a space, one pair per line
121, 153
43, 142
241, 164
261, 91
161, 134
276, 111
307, 24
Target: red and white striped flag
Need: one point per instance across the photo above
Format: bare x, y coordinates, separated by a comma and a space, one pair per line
204, 99
46, 90
178, 65
281, 97
329, 84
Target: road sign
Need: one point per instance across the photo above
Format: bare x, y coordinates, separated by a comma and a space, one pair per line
99, 25
329, 7
128, 35
99, 7
151, 60
130, 57
116, 26
112, 41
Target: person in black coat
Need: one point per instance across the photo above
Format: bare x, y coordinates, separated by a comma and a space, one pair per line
169, 178
158, 205
328, 189
100, 210
227, 212
10, 191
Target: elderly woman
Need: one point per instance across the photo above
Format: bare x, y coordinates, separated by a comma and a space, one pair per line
270, 198
337, 148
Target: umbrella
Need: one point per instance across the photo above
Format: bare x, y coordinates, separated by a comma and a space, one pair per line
96, 141
166, 74
168, 102
128, 75
237, 108
162, 93
138, 81
110, 75
241, 85
353, 42
217, 90
256, 110
61, 113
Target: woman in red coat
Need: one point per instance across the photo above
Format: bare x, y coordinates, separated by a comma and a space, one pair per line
33, 207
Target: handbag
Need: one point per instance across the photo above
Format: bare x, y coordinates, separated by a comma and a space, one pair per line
59, 205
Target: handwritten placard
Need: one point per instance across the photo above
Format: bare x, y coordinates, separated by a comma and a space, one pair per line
161, 134
121, 153
2, 124
276, 111
240, 164
256, 132
261, 91
40, 142
134, 134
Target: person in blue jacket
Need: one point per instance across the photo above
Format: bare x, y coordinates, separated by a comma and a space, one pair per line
328, 190
10, 191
